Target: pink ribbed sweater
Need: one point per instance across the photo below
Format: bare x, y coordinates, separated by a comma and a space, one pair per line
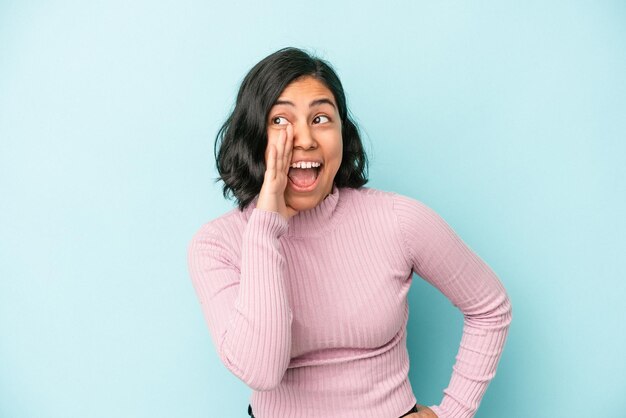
311, 312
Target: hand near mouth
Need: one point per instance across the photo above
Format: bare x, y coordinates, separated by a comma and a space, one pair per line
277, 161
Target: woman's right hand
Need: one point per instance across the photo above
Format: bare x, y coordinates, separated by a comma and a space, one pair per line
277, 162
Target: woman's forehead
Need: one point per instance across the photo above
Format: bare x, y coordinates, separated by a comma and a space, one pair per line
307, 91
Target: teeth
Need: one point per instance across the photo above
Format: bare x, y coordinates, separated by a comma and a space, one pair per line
303, 164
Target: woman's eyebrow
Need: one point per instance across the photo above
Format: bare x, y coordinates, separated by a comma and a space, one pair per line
315, 102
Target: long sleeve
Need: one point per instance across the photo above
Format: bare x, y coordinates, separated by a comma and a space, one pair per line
439, 256
245, 304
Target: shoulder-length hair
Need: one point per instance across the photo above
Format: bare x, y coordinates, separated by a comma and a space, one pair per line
241, 141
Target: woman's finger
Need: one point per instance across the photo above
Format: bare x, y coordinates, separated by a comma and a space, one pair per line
288, 147
271, 161
280, 149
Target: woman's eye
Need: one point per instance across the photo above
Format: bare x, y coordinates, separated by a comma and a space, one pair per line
318, 119
276, 120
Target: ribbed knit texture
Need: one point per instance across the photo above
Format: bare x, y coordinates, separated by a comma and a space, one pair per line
311, 312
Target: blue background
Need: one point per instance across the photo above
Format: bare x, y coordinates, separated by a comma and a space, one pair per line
507, 118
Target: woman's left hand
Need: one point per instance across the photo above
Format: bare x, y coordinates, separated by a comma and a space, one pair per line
422, 412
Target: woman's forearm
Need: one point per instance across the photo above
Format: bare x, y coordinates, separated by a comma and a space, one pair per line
245, 305
437, 254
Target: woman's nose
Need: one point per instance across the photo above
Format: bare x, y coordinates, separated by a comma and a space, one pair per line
303, 138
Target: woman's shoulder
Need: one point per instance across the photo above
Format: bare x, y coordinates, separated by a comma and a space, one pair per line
223, 226
389, 200
366, 192
374, 195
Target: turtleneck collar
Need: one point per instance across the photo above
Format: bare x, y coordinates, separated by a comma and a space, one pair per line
314, 221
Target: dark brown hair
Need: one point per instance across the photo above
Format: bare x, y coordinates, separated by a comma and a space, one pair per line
241, 141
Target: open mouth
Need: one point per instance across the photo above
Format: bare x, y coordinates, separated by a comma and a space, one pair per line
304, 179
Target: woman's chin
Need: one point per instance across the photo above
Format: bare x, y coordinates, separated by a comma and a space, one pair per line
302, 202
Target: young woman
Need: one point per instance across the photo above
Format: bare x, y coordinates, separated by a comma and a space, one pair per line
303, 286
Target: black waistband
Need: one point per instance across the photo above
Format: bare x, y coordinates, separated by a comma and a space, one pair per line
414, 409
